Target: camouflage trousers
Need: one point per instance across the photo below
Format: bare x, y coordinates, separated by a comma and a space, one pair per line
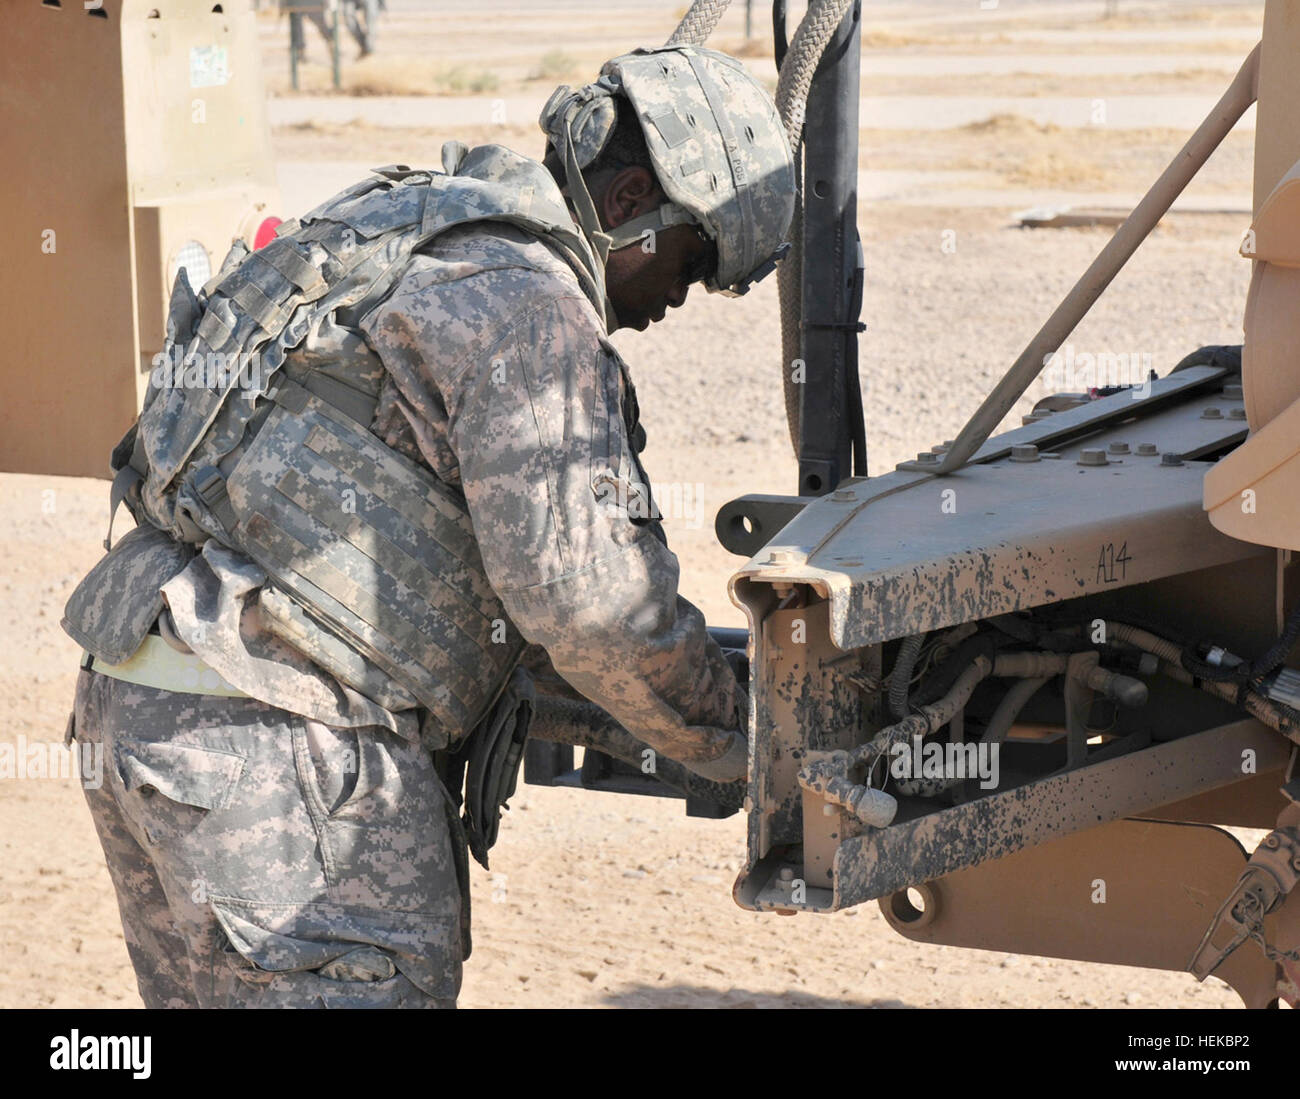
262, 859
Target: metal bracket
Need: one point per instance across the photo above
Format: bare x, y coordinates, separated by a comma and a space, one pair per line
746, 524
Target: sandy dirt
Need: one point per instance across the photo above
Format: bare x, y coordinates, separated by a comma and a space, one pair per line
597, 900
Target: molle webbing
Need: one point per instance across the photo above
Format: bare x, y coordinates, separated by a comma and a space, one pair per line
281, 465
377, 548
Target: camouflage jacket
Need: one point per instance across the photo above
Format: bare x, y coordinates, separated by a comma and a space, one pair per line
499, 377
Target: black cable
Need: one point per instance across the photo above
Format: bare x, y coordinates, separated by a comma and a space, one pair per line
941, 680
1192, 662
1280, 648
779, 39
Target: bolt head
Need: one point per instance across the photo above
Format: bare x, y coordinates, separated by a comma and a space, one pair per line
1117, 448
1149, 450
1024, 452
1236, 414
1092, 456
786, 874
1171, 459
1212, 414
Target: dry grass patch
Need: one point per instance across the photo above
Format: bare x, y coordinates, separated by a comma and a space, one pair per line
1202, 15
555, 66
756, 47
392, 74
419, 147
1025, 154
1036, 85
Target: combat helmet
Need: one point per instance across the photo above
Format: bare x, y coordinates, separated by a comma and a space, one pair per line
716, 143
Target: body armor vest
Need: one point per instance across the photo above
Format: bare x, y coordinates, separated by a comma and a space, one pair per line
255, 432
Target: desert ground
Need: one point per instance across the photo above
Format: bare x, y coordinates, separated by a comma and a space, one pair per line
969, 116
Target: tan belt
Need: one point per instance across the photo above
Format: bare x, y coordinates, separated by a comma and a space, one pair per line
156, 664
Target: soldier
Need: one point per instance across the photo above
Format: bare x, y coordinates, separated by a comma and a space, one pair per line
313, 10
377, 457
361, 17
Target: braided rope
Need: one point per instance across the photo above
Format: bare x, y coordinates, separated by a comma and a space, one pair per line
698, 23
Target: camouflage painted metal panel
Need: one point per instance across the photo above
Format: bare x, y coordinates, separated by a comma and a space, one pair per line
803, 699
905, 552
879, 863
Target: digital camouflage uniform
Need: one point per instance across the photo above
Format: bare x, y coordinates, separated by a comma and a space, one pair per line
285, 839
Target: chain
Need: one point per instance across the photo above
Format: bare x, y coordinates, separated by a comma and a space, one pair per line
1250, 914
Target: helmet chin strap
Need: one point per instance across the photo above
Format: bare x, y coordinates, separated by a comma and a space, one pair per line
630, 232
635, 229
585, 208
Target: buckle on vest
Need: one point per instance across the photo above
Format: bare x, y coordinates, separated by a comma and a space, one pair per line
210, 485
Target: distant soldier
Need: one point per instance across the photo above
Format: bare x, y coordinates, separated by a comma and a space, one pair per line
376, 458
360, 16
299, 10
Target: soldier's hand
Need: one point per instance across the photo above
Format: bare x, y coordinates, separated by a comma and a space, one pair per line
738, 661
731, 766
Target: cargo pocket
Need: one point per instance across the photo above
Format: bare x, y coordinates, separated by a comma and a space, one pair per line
202, 777
332, 956
170, 788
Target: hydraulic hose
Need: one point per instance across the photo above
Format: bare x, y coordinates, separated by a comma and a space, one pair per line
1015, 700
1244, 696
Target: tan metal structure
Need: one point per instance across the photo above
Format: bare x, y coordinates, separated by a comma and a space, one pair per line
135, 140
1254, 493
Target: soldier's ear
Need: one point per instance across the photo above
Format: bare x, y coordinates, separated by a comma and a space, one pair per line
629, 193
